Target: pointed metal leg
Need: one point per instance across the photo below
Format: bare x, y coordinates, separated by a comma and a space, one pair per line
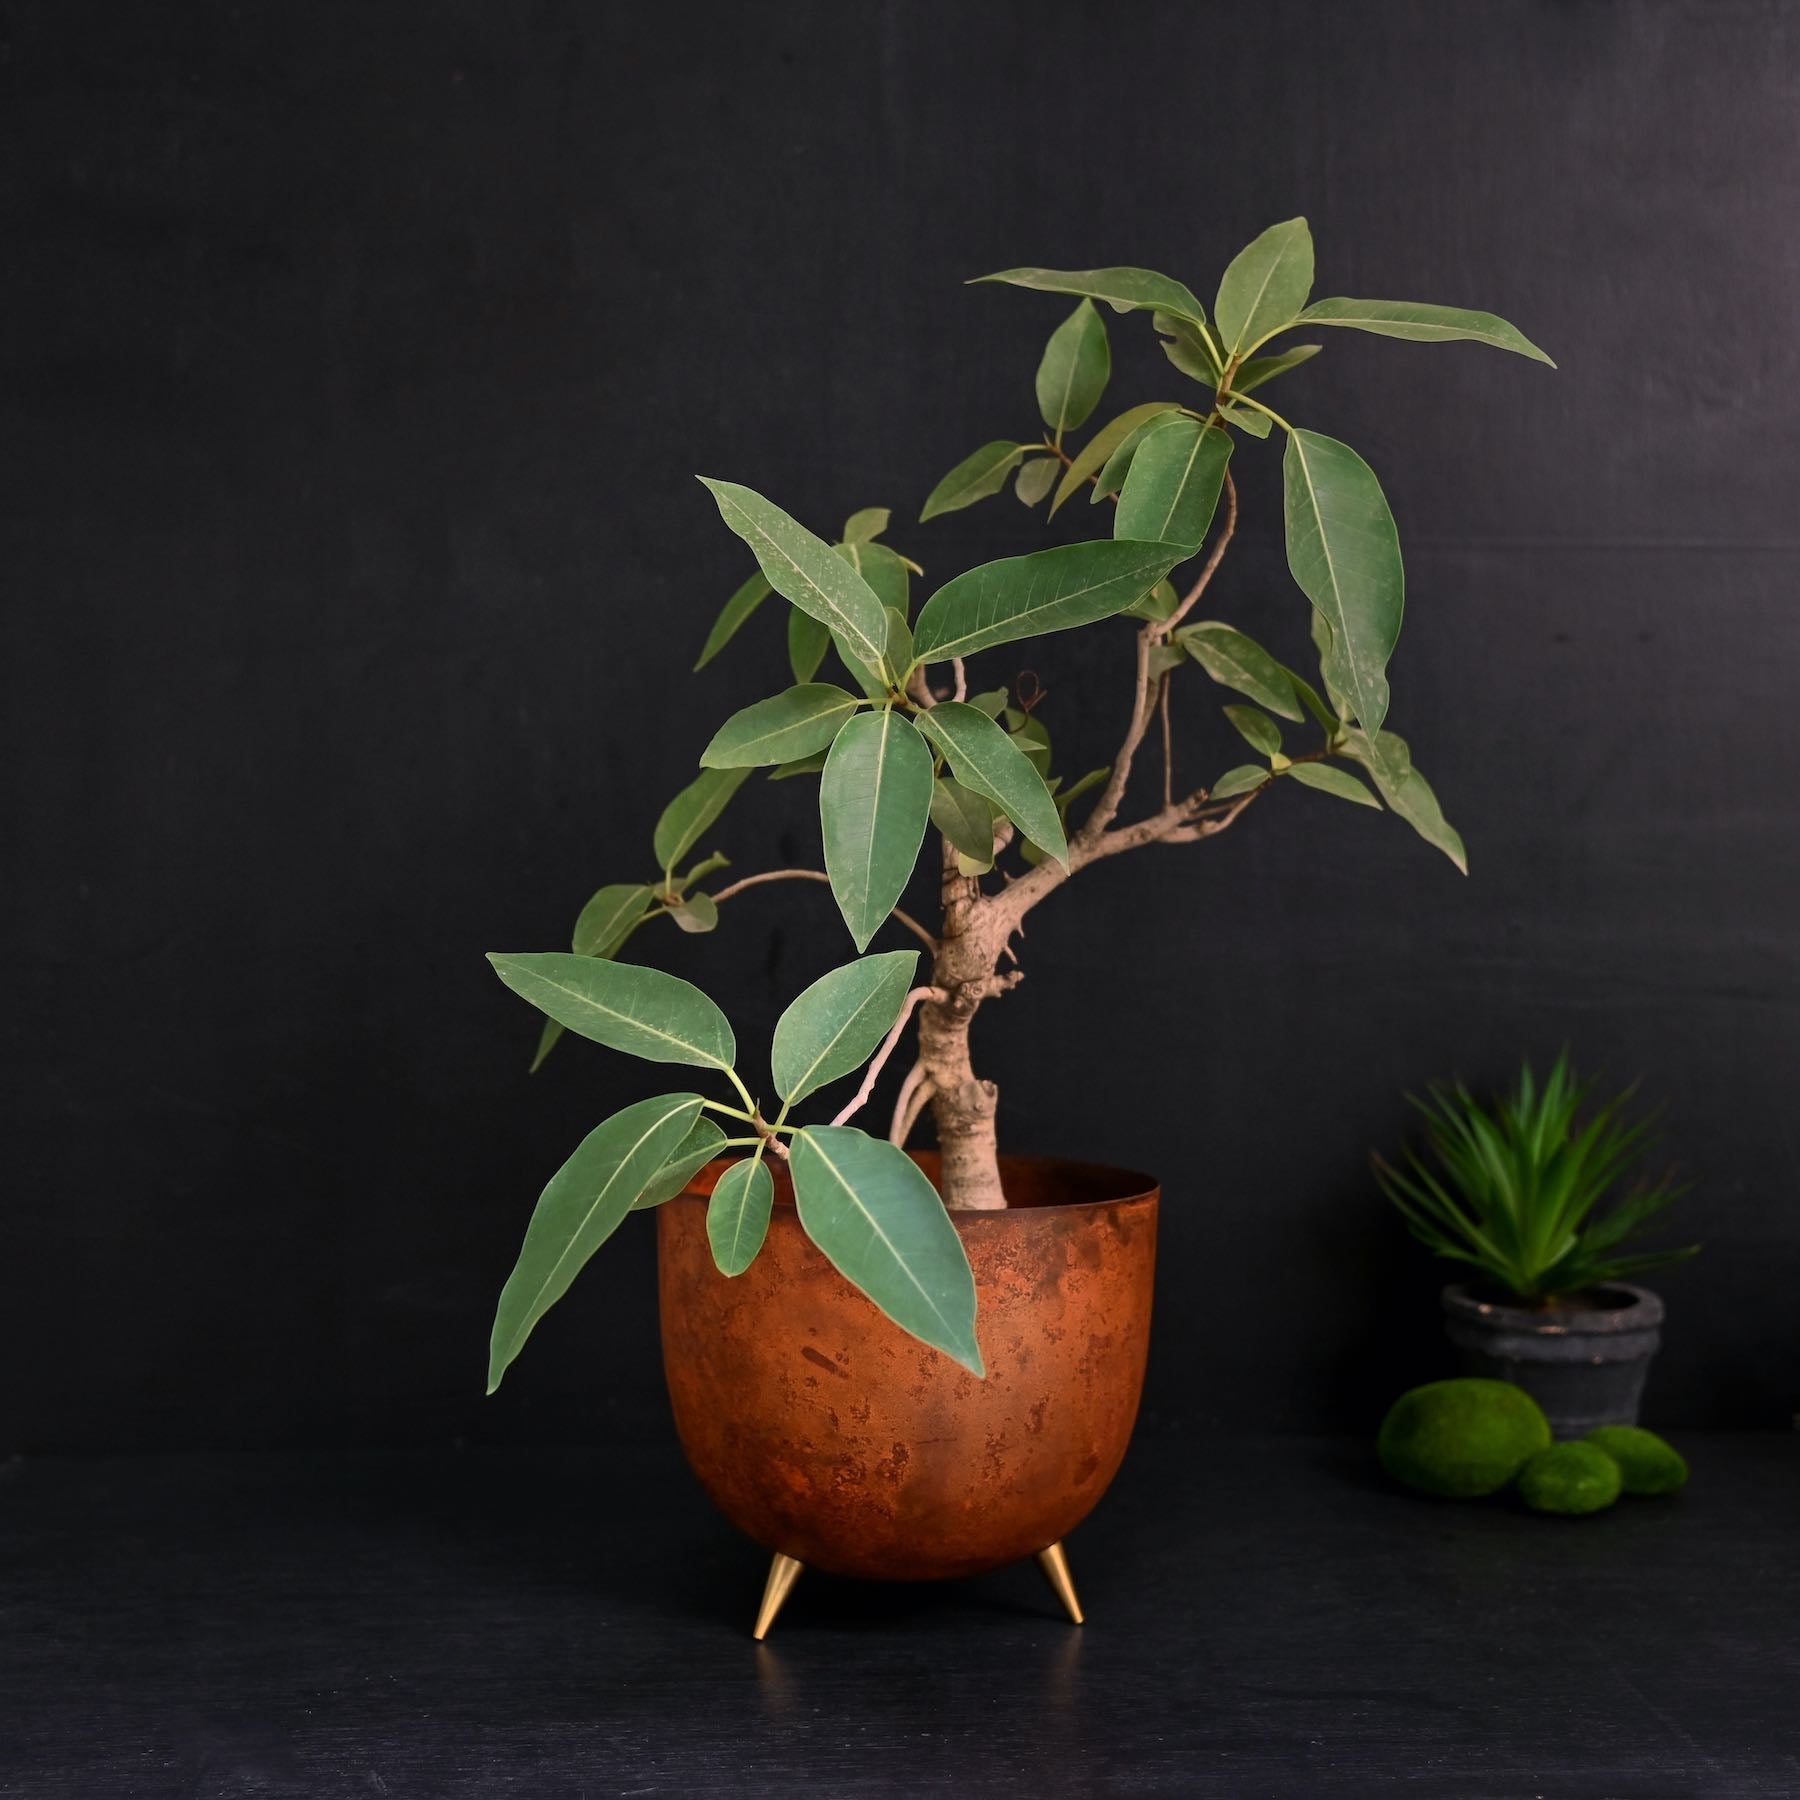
784, 1571
1055, 1563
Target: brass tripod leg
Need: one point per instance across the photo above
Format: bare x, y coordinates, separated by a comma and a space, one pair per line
1054, 1561
784, 1571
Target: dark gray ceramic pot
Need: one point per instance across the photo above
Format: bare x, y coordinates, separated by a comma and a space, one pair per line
1584, 1365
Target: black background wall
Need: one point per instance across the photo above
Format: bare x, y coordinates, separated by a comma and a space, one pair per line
357, 364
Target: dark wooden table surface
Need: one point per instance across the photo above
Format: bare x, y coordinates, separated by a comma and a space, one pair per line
1264, 1618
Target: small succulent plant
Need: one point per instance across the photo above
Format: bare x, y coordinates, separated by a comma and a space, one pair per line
1520, 1189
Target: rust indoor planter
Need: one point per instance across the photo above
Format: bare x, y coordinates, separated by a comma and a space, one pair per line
832, 1438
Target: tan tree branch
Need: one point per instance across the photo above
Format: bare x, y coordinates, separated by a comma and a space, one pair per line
749, 881
914, 1096
879, 1060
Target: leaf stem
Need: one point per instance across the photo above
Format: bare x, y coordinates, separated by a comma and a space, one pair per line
1267, 411
732, 1112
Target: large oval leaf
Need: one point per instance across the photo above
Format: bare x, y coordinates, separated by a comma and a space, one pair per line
966, 819
1049, 590
732, 616
974, 478
625, 1006
692, 812
1124, 290
808, 640
580, 1209
1265, 286
884, 1229
984, 758
702, 1143
782, 728
804, 568
1423, 324
1345, 554
737, 1215
1091, 458
1235, 661
836, 1025
874, 802
607, 920
1407, 792
1172, 490
1073, 373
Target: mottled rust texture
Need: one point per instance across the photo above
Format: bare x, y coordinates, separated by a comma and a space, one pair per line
824, 1431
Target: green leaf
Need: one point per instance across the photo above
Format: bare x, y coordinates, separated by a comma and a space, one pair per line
883, 1228
1235, 661
606, 921
1031, 735
994, 702
900, 642
874, 800
1118, 466
1158, 604
1034, 479
1323, 716
838, 1023
1173, 488
679, 883
1257, 729
1124, 290
1345, 554
885, 570
1422, 323
580, 1209
805, 765
690, 815
987, 761
966, 819
780, 729
737, 1215
625, 1006
1093, 455
547, 1040
1073, 373
1066, 797
974, 478
1265, 368
732, 615
1187, 348
697, 913
1406, 791
1237, 781
1049, 590
803, 568
702, 1143
865, 526
808, 640
1333, 781
1247, 418
1265, 285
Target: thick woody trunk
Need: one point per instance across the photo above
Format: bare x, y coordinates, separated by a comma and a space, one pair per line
962, 1104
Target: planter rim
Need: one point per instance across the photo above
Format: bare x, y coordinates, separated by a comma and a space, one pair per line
1078, 1185
1643, 1312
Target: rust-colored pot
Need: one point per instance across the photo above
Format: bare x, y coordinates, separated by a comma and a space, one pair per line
828, 1434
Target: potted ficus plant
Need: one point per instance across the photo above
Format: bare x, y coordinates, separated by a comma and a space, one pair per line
1524, 1193
928, 1364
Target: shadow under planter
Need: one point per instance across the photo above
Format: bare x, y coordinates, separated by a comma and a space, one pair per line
1583, 1364
836, 1440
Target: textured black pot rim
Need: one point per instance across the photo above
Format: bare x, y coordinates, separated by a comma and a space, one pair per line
1644, 1312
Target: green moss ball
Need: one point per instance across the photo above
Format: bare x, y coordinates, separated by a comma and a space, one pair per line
1570, 1478
1647, 1464
1461, 1439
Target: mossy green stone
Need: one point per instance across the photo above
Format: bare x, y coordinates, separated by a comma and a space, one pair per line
1648, 1464
1461, 1439
1570, 1478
